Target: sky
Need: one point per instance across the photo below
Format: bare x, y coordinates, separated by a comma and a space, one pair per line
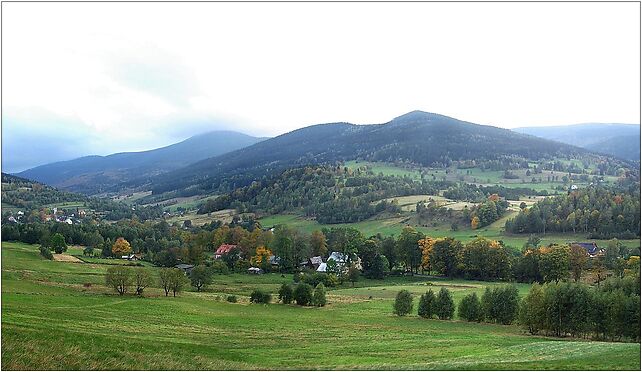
99, 78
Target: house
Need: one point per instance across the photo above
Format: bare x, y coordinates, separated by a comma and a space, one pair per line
223, 250
275, 261
255, 271
21, 213
68, 221
11, 219
185, 267
591, 248
132, 257
313, 262
322, 268
341, 260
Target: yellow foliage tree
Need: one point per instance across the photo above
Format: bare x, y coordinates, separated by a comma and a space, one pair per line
121, 247
474, 223
426, 245
262, 253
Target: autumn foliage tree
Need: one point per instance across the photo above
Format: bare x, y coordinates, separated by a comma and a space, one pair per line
426, 245
121, 247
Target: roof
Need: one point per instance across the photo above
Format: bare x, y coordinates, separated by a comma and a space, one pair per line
274, 260
591, 248
338, 257
184, 266
225, 248
322, 267
316, 260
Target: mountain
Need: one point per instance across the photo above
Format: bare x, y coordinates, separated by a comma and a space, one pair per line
620, 140
417, 137
96, 174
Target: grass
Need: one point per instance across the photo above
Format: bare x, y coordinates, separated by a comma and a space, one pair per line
50, 322
394, 226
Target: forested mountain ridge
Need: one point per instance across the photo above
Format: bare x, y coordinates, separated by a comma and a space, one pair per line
95, 174
621, 140
422, 138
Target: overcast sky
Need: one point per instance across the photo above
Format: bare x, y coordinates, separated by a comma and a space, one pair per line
98, 78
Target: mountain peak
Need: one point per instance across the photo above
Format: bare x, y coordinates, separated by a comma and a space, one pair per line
417, 116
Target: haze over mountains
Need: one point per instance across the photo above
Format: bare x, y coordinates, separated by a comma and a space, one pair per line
620, 140
95, 174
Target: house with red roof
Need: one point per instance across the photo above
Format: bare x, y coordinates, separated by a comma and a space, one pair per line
223, 250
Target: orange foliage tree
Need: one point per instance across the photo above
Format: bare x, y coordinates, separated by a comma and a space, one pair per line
121, 247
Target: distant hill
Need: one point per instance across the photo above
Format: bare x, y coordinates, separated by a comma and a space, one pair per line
96, 174
417, 137
620, 140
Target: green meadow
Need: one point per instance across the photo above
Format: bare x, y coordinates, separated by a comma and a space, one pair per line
59, 315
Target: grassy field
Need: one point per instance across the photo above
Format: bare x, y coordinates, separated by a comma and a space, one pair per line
394, 225
51, 321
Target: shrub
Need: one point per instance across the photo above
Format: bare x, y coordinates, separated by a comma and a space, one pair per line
426, 305
231, 298
46, 253
286, 295
318, 297
297, 277
444, 305
470, 308
303, 294
260, 297
219, 267
403, 303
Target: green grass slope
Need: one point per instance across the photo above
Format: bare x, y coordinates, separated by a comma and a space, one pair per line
51, 321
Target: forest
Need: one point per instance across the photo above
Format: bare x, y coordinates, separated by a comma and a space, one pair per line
599, 211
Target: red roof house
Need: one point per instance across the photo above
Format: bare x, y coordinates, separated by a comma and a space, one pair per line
223, 250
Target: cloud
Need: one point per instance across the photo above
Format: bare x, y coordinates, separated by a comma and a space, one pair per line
33, 136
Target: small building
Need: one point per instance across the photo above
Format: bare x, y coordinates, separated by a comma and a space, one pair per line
11, 219
21, 213
275, 261
255, 271
313, 262
591, 249
322, 268
223, 249
132, 257
187, 268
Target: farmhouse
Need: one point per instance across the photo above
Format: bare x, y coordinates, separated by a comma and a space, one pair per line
591, 248
255, 270
223, 250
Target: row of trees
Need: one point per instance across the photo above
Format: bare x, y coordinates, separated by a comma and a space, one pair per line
497, 305
608, 312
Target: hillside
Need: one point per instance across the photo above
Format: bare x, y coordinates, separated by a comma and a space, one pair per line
421, 138
95, 174
620, 140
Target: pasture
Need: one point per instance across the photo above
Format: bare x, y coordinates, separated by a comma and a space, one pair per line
58, 315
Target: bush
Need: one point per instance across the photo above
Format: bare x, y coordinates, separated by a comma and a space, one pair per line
470, 308
260, 297
444, 305
426, 305
318, 297
313, 279
219, 267
231, 298
403, 303
303, 294
46, 253
286, 295
297, 277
